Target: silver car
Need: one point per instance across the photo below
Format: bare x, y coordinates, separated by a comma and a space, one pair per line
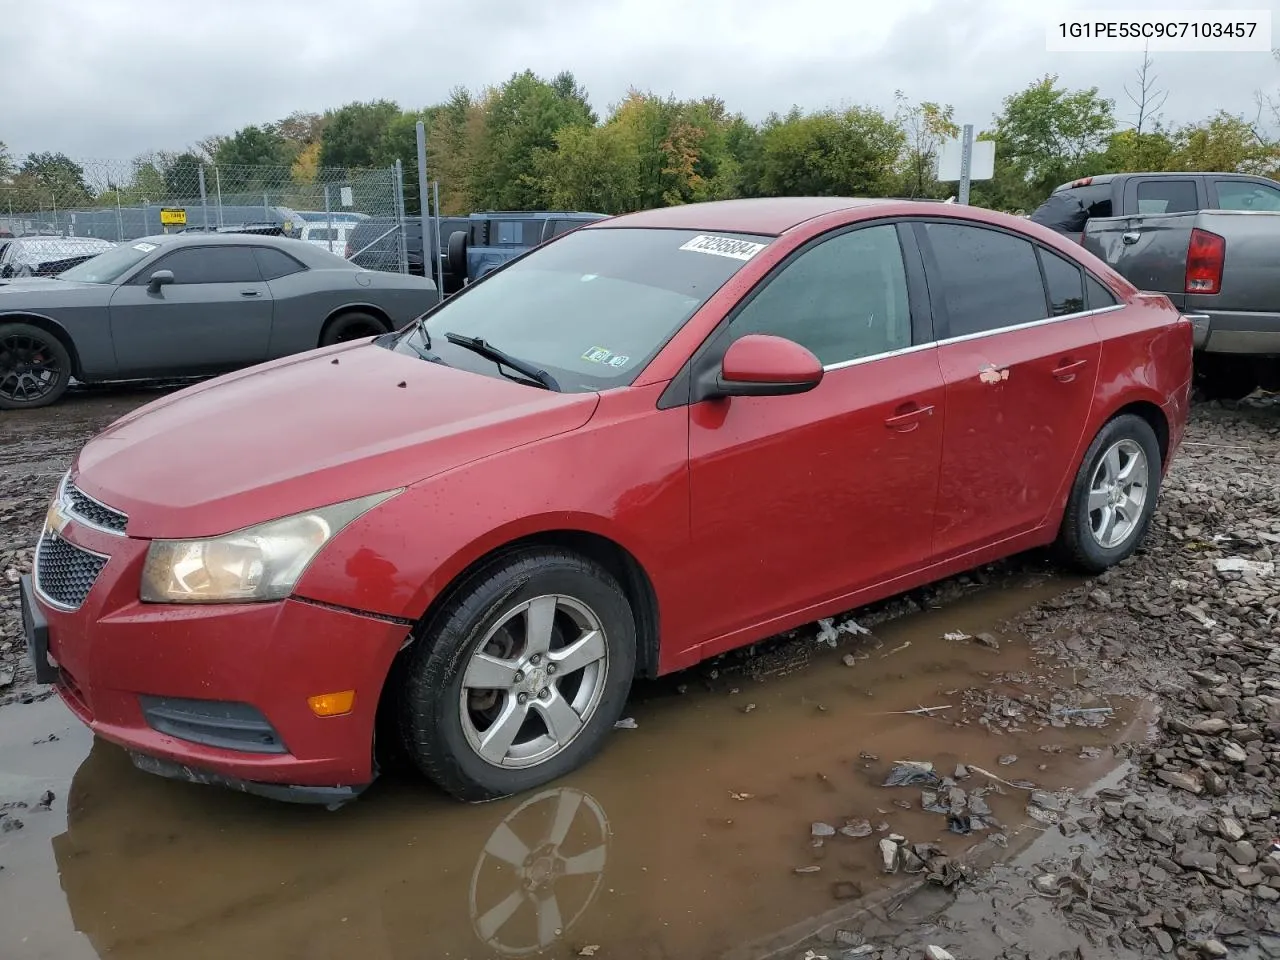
189, 305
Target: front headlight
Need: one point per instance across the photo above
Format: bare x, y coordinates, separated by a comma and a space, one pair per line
257, 563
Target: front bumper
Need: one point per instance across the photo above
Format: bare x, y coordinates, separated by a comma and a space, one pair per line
113, 655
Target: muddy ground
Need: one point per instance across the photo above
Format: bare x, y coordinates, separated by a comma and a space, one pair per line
1093, 774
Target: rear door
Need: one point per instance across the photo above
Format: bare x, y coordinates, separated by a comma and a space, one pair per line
216, 315
1019, 355
800, 499
1232, 194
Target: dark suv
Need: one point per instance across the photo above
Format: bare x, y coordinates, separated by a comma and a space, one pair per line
374, 243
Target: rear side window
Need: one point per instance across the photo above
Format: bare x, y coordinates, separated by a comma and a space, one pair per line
989, 280
1099, 296
275, 264
1064, 283
208, 265
516, 232
1167, 196
1244, 195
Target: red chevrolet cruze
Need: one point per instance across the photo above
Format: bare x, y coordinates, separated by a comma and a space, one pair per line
644, 443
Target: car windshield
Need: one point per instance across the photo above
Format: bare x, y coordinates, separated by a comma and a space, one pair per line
110, 266
592, 308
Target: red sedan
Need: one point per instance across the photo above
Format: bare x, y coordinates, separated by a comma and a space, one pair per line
647, 442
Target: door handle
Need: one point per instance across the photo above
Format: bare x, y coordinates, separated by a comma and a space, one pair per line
248, 293
1066, 370
907, 417
1130, 237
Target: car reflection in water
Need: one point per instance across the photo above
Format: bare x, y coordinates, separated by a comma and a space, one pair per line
158, 870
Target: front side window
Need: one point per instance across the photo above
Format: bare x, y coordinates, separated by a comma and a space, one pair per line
843, 299
592, 307
208, 265
990, 280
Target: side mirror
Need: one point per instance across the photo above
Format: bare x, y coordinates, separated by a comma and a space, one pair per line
760, 365
161, 278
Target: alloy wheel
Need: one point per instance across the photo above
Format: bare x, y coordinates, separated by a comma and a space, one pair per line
1118, 494
29, 370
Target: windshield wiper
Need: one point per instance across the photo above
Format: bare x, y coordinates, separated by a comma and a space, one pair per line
476, 345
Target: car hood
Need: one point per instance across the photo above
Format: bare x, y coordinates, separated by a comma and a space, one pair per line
309, 430
50, 290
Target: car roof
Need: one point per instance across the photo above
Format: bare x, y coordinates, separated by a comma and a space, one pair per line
310, 254
1104, 178
766, 216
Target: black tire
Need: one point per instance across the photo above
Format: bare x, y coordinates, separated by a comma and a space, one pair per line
1076, 539
1225, 377
35, 368
457, 253
430, 701
355, 325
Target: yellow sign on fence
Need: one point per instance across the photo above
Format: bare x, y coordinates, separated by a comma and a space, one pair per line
173, 217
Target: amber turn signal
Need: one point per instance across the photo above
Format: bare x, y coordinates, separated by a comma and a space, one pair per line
332, 704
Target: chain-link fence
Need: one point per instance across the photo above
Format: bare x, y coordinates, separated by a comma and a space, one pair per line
358, 214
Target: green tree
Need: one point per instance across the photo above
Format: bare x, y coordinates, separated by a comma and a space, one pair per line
850, 152
925, 127
182, 176
591, 168
1225, 142
1129, 151
354, 135
56, 176
1045, 135
453, 141
6, 162
521, 118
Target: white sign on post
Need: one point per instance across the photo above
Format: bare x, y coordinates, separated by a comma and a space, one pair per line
982, 160
345, 197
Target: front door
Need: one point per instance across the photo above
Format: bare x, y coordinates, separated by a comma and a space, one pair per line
216, 315
1019, 354
796, 500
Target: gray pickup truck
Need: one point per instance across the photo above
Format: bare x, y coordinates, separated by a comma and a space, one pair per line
1221, 268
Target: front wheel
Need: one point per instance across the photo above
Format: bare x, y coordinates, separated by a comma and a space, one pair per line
355, 325
1114, 495
521, 676
35, 368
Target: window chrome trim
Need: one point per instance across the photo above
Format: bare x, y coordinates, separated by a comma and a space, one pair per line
35, 572
1031, 325
914, 348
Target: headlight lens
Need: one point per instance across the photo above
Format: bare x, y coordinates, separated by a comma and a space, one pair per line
257, 563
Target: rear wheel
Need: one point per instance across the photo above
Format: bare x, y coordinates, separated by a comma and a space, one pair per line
1222, 376
355, 325
35, 368
1113, 497
522, 675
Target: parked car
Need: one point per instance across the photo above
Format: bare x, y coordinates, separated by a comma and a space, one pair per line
1071, 205
494, 237
328, 237
46, 256
336, 216
189, 305
650, 441
1219, 265
375, 245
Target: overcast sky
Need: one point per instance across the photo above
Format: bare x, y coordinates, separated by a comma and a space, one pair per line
119, 77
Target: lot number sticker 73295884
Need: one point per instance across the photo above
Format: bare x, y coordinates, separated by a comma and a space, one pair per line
723, 247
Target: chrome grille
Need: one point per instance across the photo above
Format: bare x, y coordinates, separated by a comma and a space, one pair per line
84, 507
64, 573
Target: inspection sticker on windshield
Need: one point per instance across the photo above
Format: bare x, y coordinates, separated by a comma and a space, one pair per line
607, 357
144, 247
724, 247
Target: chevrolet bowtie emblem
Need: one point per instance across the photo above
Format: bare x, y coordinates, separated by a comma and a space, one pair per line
56, 519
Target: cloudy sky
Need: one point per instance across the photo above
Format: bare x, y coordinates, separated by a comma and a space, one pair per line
119, 77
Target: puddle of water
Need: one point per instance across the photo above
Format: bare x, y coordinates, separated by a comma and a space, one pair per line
645, 853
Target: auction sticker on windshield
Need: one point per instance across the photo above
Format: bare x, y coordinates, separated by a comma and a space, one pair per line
723, 247
605, 356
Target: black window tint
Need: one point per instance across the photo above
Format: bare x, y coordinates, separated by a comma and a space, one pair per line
1247, 195
1099, 296
209, 265
274, 263
1167, 196
989, 279
1066, 289
842, 299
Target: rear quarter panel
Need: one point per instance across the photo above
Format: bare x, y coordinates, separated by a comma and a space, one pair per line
303, 301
